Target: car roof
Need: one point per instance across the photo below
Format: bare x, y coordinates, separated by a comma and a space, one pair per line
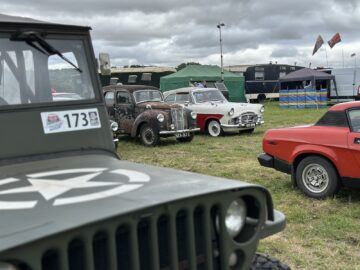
131, 88
16, 21
187, 90
345, 105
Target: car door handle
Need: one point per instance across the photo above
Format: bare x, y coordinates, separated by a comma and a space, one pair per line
357, 140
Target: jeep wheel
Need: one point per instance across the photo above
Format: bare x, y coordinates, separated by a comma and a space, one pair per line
148, 136
317, 177
214, 128
265, 262
186, 139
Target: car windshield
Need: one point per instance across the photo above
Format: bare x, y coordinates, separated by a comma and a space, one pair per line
148, 95
42, 72
208, 96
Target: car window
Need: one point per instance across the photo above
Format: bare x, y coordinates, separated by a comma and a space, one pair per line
354, 116
28, 75
123, 98
147, 95
170, 98
182, 97
109, 98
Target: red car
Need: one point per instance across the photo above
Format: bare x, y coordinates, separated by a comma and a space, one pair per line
321, 158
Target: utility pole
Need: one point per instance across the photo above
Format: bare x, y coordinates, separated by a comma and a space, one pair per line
219, 25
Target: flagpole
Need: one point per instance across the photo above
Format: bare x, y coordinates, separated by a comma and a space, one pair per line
327, 62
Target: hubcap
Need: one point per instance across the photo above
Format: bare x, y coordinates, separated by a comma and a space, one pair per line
315, 178
148, 135
214, 128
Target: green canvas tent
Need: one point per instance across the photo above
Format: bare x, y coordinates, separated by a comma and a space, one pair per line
197, 73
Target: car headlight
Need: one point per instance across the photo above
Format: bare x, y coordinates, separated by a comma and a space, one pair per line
193, 115
160, 117
231, 112
262, 110
114, 126
235, 217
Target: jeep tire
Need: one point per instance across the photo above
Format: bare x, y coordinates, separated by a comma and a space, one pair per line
149, 136
265, 262
317, 177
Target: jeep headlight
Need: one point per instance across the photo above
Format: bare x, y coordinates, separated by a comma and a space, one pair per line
262, 110
193, 115
231, 112
160, 117
114, 126
235, 217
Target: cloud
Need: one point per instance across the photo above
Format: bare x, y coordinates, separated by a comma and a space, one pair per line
171, 32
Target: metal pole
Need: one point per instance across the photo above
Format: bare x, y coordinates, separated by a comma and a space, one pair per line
221, 54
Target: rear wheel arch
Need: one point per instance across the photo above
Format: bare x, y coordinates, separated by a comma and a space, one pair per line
300, 157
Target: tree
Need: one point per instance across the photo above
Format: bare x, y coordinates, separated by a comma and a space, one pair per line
183, 65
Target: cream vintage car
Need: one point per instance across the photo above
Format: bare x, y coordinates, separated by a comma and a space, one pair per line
214, 113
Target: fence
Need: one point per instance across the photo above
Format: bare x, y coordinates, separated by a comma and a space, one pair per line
303, 98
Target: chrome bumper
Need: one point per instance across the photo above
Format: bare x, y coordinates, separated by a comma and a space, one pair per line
171, 132
240, 126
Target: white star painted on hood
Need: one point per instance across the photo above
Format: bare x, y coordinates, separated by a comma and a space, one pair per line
50, 189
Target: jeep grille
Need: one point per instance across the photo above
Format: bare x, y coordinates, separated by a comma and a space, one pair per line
183, 235
178, 119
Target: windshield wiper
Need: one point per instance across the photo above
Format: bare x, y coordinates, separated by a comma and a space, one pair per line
45, 47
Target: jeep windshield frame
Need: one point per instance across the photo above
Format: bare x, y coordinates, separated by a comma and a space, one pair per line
29, 77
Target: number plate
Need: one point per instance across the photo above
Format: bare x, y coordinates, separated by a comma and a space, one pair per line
250, 125
66, 121
182, 135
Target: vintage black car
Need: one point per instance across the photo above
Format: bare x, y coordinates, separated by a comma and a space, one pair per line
140, 110
67, 202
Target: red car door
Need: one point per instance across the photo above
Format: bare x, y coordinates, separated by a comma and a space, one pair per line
354, 138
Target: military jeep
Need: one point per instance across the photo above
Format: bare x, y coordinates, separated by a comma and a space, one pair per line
140, 110
66, 200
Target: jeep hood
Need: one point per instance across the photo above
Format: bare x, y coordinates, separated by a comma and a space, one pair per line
45, 197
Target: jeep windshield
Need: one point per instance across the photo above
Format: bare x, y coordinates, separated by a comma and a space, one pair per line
148, 96
208, 96
43, 71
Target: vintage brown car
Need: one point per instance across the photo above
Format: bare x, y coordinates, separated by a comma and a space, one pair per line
140, 110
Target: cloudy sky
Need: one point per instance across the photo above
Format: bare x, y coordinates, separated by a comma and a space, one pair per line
169, 32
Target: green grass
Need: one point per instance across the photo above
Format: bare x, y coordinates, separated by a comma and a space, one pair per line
320, 234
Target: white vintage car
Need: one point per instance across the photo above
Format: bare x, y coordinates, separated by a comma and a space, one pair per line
214, 113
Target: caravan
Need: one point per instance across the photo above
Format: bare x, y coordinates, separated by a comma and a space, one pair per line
347, 84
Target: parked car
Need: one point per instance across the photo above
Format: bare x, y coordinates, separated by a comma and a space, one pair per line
140, 110
214, 113
68, 202
322, 157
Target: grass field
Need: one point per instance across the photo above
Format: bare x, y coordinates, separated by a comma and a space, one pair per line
321, 234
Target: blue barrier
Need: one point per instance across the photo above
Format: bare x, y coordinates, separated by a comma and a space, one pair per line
303, 98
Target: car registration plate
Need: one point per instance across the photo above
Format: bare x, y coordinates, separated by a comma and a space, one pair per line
250, 125
182, 135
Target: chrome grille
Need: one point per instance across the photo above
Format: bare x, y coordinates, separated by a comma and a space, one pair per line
248, 118
178, 119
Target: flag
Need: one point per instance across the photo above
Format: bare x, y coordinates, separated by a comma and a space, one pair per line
335, 39
319, 42
353, 54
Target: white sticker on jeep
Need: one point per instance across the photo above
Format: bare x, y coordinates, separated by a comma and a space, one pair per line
64, 187
65, 121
